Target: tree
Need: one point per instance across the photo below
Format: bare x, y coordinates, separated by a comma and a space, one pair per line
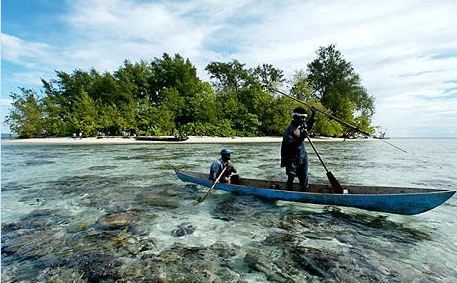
165, 96
300, 87
105, 89
25, 118
134, 79
155, 120
54, 122
172, 72
239, 93
268, 76
337, 86
230, 76
203, 106
109, 120
84, 117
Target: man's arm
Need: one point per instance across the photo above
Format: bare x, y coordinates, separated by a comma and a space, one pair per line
214, 170
230, 167
311, 120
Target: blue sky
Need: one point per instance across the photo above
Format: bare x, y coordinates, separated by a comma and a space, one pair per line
404, 51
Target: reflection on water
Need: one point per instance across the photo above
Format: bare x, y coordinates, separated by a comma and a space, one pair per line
117, 213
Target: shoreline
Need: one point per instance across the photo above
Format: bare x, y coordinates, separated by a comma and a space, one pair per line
131, 140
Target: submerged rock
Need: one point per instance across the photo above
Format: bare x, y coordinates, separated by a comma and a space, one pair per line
275, 265
13, 186
245, 209
102, 167
35, 239
31, 244
160, 278
36, 162
169, 192
94, 266
117, 220
181, 263
290, 253
154, 199
183, 229
59, 274
87, 183
130, 245
199, 264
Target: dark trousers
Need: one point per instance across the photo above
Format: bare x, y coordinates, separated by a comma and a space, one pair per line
300, 170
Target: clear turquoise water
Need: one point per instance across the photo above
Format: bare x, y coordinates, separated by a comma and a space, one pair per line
117, 212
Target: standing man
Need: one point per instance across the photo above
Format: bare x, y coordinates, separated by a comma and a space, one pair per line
230, 175
293, 151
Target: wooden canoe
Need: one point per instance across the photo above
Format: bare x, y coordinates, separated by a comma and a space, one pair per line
161, 138
396, 200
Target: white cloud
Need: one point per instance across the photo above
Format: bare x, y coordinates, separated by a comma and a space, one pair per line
15, 49
398, 47
5, 102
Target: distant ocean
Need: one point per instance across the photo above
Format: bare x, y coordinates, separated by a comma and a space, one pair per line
8, 136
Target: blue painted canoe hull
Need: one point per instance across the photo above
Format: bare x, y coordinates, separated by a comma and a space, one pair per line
407, 201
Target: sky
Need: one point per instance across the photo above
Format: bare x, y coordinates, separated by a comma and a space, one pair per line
404, 51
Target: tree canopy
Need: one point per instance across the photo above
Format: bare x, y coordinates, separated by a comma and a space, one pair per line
338, 87
166, 97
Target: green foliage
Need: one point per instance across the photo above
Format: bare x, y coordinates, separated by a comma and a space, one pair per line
300, 87
84, 117
128, 115
165, 97
268, 76
337, 86
247, 124
363, 122
222, 129
155, 120
172, 72
241, 97
25, 119
54, 123
229, 77
108, 120
133, 79
162, 121
327, 128
203, 106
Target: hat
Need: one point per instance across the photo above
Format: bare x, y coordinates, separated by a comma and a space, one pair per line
300, 112
226, 151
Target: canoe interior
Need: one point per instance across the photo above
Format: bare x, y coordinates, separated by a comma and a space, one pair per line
321, 188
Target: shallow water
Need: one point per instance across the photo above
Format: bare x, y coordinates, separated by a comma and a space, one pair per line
118, 213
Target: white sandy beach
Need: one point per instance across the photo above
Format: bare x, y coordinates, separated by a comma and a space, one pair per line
191, 140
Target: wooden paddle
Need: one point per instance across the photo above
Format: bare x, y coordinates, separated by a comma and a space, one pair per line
212, 187
336, 186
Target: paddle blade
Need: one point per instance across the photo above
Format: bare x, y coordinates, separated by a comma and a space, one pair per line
201, 199
207, 193
214, 185
336, 186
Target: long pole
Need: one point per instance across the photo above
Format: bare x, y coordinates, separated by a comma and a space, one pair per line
317, 153
336, 119
214, 185
336, 186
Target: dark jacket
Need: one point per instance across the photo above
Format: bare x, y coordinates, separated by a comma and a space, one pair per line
293, 148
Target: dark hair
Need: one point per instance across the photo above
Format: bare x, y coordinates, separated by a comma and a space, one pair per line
299, 110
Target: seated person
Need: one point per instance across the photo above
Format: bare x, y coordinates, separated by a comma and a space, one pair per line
230, 175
